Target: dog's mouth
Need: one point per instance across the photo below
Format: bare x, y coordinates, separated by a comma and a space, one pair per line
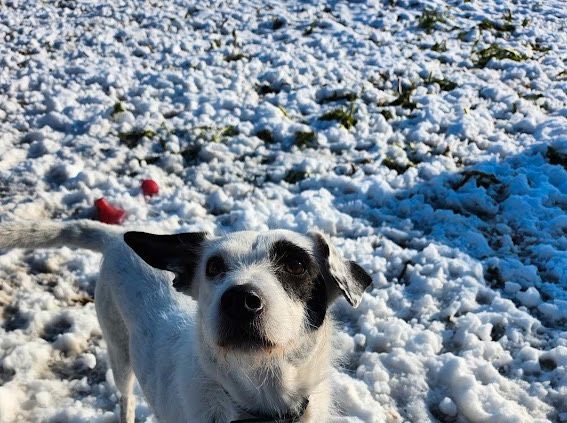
247, 336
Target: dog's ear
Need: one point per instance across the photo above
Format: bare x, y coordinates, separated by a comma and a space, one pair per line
178, 253
341, 276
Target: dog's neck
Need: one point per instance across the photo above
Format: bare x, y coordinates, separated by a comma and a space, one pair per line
275, 382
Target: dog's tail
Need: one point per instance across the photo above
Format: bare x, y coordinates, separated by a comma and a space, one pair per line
79, 233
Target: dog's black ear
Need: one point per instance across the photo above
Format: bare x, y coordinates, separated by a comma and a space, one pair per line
340, 275
178, 253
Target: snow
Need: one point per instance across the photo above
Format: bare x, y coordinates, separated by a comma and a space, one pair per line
456, 203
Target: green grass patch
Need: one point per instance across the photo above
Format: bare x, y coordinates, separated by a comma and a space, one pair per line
508, 16
303, 139
444, 84
191, 154
556, 157
487, 24
278, 23
344, 117
265, 89
152, 159
404, 99
132, 138
284, 111
498, 53
482, 179
540, 48
532, 97
440, 47
294, 176
338, 96
234, 57
387, 114
494, 277
118, 108
227, 131
430, 20
311, 28
394, 165
215, 44
266, 136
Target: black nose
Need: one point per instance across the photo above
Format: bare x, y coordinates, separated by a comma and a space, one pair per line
241, 302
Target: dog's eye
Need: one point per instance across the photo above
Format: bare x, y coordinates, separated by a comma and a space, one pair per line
294, 266
215, 267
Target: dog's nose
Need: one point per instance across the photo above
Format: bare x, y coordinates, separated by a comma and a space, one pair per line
241, 302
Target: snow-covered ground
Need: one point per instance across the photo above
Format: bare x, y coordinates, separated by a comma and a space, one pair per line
428, 138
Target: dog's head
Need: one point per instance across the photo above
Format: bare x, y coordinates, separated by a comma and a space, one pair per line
255, 291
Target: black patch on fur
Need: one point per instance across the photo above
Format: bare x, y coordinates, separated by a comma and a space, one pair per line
322, 247
299, 287
317, 305
241, 334
178, 253
308, 288
362, 278
351, 285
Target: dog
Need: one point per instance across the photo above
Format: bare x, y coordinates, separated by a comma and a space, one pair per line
254, 345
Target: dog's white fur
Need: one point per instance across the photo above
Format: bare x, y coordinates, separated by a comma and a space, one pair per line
171, 344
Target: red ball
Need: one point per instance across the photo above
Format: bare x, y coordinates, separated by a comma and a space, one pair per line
150, 187
107, 213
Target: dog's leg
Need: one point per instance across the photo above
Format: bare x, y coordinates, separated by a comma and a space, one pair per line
119, 358
117, 339
124, 380
128, 401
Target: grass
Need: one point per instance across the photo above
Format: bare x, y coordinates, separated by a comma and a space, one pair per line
482, 179
494, 277
118, 108
429, 20
234, 57
132, 138
556, 157
152, 159
404, 99
487, 24
344, 117
191, 153
309, 30
266, 136
227, 131
338, 96
387, 114
278, 23
439, 47
498, 53
284, 111
294, 176
444, 84
508, 15
304, 139
540, 48
394, 165
533, 97
266, 89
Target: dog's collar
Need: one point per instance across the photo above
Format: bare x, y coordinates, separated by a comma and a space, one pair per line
290, 417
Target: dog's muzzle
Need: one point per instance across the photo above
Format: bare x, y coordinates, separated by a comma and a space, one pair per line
241, 308
241, 302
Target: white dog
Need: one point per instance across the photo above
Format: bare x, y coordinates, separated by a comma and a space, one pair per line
257, 346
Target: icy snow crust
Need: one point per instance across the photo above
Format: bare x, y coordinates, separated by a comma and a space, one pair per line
454, 197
